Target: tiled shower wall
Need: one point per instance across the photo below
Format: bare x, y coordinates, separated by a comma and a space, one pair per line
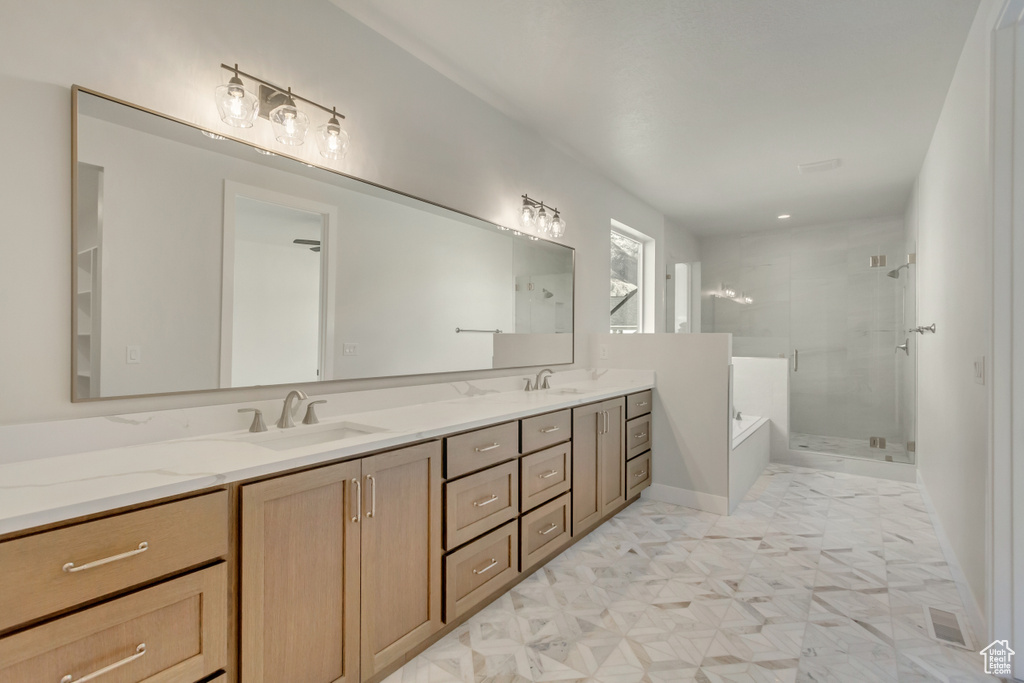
813, 291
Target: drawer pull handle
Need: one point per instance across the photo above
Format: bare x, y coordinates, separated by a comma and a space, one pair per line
139, 651
545, 532
71, 568
639, 435
487, 448
641, 404
549, 430
548, 475
488, 568
639, 474
481, 503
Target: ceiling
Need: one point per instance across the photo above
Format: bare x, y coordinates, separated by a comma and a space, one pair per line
704, 108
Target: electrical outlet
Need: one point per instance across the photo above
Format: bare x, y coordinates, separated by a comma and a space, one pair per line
350, 350
979, 370
133, 355
602, 351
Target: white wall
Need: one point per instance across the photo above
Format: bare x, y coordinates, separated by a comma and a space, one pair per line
951, 205
412, 129
690, 421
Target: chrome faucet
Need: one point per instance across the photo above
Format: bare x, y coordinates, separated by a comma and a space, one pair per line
546, 385
290, 409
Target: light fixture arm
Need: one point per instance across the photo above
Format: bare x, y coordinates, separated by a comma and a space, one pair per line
284, 91
538, 205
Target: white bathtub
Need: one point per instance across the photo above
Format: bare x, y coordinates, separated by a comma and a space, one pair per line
749, 455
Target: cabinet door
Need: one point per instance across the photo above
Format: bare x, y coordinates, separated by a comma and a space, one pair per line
300, 577
613, 457
401, 553
587, 429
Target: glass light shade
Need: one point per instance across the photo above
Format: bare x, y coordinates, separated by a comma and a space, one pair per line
557, 226
237, 106
290, 124
332, 140
527, 216
543, 221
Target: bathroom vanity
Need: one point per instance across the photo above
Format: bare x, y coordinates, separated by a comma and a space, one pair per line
311, 558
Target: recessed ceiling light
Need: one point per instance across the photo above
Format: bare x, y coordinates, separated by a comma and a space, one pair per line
784, 216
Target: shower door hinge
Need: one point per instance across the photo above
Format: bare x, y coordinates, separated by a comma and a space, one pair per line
876, 261
911, 447
877, 442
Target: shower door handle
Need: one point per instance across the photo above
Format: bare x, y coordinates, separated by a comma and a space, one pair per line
904, 347
796, 360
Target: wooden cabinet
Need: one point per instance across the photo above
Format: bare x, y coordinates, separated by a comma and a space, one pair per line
401, 553
638, 474
341, 567
598, 462
173, 632
481, 568
300, 577
638, 436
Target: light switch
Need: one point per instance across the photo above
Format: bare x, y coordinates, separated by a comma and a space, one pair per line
603, 351
979, 369
133, 355
350, 349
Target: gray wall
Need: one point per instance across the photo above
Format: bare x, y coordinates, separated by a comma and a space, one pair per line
813, 291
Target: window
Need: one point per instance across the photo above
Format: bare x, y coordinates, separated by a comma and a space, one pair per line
630, 251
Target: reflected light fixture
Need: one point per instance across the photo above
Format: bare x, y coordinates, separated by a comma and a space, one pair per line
534, 214
239, 107
784, 216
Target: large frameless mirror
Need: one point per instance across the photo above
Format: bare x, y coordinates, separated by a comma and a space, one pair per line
204, 263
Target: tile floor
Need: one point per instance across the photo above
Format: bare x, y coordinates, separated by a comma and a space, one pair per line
818, 576
856, 448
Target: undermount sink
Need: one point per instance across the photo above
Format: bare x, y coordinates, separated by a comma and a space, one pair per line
310, 435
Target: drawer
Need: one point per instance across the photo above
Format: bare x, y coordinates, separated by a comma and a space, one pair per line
638, 436
545, 430
545, 475
639, 404
58, 569
638, 474
473, 573
476, 504
474, 451
174, 632
545, 531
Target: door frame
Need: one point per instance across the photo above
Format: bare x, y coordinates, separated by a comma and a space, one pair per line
1005, 539
328, 271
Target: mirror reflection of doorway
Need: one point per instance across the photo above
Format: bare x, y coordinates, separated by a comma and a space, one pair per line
276, 261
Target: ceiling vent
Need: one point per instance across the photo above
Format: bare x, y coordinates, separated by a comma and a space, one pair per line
820, 166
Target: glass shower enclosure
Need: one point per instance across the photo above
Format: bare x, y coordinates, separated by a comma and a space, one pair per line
838, 303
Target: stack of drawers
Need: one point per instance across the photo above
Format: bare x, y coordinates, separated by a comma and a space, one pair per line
638, 442
504, 513
172, 631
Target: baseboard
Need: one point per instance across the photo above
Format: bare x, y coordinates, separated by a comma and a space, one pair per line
974, 614
697, 500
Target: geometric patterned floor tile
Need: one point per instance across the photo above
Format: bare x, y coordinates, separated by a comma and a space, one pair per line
819, 576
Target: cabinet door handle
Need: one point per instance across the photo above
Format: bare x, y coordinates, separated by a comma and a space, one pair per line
71, 568
372, 485
487, 448
641, 404
481, 503
639, 435
139, 652
545, 532
640, 474
359, 500
549, 430
488, 568
548, 475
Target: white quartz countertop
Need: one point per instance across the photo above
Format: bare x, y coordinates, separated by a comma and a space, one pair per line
47, 490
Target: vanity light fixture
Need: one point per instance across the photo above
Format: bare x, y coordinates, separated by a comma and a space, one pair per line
534, 214
239, 107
